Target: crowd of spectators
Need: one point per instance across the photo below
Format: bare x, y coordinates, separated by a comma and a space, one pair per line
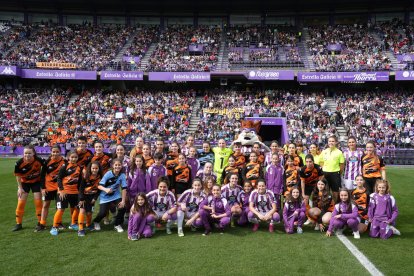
396, 36
360, 51
89, 47
24, 112
386, 117
172, 52
144, 37
10, 34
113, 116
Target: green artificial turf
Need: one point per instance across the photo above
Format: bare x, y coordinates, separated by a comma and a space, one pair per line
237, 252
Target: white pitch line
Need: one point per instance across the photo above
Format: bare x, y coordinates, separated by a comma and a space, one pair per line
370, 267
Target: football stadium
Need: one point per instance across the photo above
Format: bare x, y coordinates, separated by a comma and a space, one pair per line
207, 137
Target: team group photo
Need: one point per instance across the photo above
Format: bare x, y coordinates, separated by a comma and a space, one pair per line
223, 138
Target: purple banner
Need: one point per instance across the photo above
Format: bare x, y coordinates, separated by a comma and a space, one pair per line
405, 57
57, 74
342, 76
195, 48
122, 75
334, 47
271, 75
179, 76
8, 70
404, 75
130, 59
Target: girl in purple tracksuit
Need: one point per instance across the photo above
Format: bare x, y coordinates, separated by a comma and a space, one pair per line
243, 200
214, 209
262, 207
138, 180
140, 219
294, 211
156, 170
193, 162
274, 177
344, 214
188, 206
382, 212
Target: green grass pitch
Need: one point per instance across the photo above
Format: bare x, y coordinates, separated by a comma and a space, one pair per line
237, 252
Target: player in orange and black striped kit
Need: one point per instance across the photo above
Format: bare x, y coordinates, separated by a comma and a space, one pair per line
49, 177
28, 176
181, 176
231, 169
373, 167
238, 155
88, 194
291, 175
361, 198
172, 158
69, 179
253, 170
297, 161
84, 155
101, 157
322, 207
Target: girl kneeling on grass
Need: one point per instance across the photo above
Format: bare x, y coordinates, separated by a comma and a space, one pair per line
360, 197
382, 212
214, 209
323, 205
345, 214
188, 206
163, 202
294, 211
111, 197
262, 205
140, 219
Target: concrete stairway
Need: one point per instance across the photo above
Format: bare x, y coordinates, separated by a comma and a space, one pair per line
194, 119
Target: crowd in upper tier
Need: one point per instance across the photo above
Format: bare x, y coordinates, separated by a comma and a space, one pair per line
358, 47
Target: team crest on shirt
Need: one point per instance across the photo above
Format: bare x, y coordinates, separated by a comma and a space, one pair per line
219, 205
162, 206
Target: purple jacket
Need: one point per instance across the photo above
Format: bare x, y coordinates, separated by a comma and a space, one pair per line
138, 183
243, 199
342, 209
290, 207
194, 165
156, 172
219, 205
274, 179
382, 208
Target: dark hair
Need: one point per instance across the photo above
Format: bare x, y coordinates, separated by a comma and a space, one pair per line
163, 179
349, 202
114, 155
71, 152
98, 142
31, 147
290, 198
326, 198
133, 166
158, 156
237, 144
261, 180
309, 156
88, 171
142, 210
83, 138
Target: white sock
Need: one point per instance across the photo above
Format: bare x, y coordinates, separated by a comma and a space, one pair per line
180, 220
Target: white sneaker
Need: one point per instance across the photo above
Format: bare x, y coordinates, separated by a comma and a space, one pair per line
107, 221
395, 231
307, 222
97, 226
356, 235
119, 228
168, 230
339, 232
317, 228
299, 230
180, 233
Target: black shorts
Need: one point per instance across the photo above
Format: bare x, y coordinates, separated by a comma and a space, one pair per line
334, 180
88, 206
70, 199
50, 195
308, 190
35, 187
370, 183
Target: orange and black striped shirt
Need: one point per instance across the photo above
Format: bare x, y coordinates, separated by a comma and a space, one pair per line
84, 157
240, 160
69, 178
148, 161
252, 172
230, 170
181, 178
372, 165
171, 163
104, 160
50, 173
89, 186
297, 161
325, 206
310, 176
29, 172
360, 198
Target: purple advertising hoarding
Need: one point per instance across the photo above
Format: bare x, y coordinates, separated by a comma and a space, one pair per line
334, 47
404, 75
8, 70
271, 75
195, 48
57, 74
179, 76
405, 57
342, 76
130, 59
122, 75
